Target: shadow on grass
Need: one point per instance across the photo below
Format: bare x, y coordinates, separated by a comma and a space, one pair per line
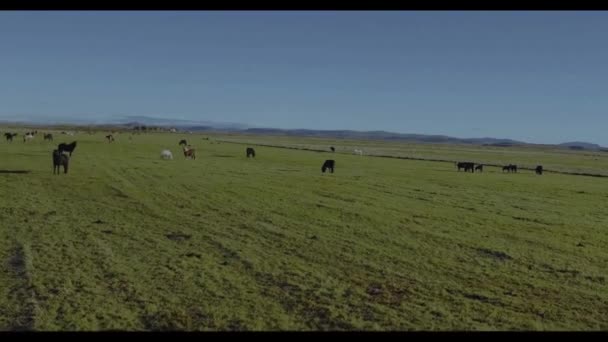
15, 171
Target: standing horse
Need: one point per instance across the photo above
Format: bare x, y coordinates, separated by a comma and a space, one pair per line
189, 152
539, 170
10, 136
110, 138
466, 166
60, 159
250, 152
183, 142
67, 147
48, 137
28, 136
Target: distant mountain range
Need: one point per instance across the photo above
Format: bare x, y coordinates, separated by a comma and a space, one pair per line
196, 125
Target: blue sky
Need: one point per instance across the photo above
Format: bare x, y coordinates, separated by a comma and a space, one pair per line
534, 76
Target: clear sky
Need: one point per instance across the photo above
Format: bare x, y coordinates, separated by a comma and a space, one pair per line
534, 76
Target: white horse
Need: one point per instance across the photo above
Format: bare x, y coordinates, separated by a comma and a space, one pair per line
359, 152
166, 154
27, 137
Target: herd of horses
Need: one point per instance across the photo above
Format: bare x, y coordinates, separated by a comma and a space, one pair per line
61, 159
27, 136
469, 166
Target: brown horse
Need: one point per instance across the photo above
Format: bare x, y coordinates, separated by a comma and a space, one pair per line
189, 152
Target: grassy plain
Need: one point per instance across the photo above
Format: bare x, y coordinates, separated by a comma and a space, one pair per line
128, 241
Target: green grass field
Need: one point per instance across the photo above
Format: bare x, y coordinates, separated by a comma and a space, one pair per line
128, 241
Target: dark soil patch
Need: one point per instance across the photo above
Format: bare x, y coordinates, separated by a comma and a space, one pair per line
178, 236
500, 256
193, 255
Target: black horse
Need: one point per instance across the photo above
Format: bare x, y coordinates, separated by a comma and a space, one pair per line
48, 137
539, 170
10, 136
110, 138
333, 149
250, 152
466, 166
67, 147
60, 159
183, 142
329, 164
479, 168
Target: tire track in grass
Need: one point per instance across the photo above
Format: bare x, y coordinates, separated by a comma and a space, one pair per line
22, 294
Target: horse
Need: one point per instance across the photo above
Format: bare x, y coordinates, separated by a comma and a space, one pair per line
479, 168
67, 147
250, 152
506, 168
183, 142
359, 152
166, 154
28, 136
332, 149
48, 137
189, 152
513, 168
60, 159
10, 136
110, 138
329, 164
539, 170
466, 166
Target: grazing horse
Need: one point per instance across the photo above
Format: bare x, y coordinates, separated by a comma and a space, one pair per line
250, 152
10, 136
67, 147
329, 164
513, 168
466, 166
48, 137
189, 152
506, 168
110, 138
359, 152
539, 170
60, 159
332, 149
479, 168
183, 142
166, 154
28, 136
